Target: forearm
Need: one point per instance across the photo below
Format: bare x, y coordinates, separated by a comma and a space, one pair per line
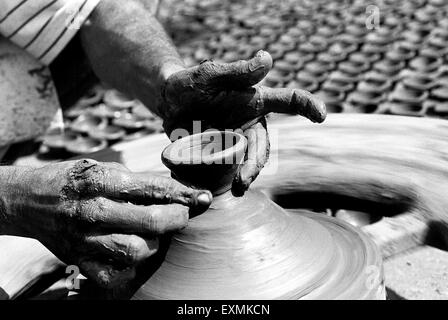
129, 50
11, 180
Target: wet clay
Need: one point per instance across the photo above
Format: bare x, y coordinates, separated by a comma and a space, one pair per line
250, 248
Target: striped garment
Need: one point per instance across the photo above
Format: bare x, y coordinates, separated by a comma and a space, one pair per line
43, 27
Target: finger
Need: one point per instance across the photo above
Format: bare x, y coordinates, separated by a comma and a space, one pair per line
103, 214
293, 101
106, 275
127, 249
257, 156
235, 75
144, 188
241, 107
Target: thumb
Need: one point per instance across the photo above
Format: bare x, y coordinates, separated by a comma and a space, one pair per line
236, 75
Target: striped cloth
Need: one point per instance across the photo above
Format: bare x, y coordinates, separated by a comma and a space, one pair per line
43, 27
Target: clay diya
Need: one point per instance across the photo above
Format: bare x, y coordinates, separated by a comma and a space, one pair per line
118, 100
331, 56
408, 95
82, 145
426, 62
361, 57
250, 248
401, 51
104, 111
336, 84
310, 85
405, 109
365, 101
109, 133
354, 67
130, 122
57, 142
87, 122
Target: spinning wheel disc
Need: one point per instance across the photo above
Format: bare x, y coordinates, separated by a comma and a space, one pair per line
250, 248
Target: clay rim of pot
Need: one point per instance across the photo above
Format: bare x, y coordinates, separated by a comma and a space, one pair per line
208, 160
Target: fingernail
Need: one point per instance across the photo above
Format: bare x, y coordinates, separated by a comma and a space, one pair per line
204, 199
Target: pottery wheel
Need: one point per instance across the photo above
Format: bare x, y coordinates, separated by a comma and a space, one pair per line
250, 248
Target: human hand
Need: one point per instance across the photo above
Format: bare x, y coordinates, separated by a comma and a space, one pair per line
226, 96
99, 216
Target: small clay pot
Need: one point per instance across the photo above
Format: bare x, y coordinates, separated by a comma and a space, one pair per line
109, 133
353, 67
441, 108
331, 96
286, 67
84, 145
334, 84
210, 168
401, 51
331, 56
362, 57
319, 67
232, 56
426, 62
258, 43
405, 109
348, 42
356, 31
408, 95
418, 81
366, 98
314, 44
276, 50
335, 107
87, 122
129, 121
103, 111
440, 93
373, 48
388, 67
296, 34
307, 84
76, 111
414, 36
377, 39
328, 32
437, 45
117, 100
309, 76
276, 78
375, 82
345, 77
246, 51
92, 97
287, 42
305, 26
268, 34
57, 142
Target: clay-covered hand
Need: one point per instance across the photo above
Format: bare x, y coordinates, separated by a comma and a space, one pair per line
99, 216
226, 96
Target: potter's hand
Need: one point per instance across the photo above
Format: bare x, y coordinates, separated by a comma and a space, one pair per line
99, 216
225, 96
